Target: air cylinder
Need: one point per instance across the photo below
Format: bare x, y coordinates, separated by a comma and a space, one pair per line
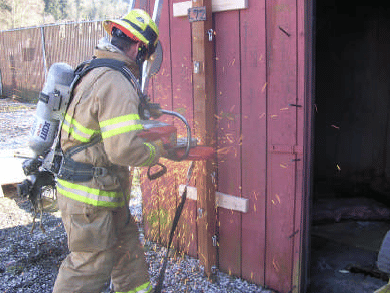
50, 108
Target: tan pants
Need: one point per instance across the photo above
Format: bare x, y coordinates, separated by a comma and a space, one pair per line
101, 248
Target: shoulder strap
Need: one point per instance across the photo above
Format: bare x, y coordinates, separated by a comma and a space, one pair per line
87, 66
83, 68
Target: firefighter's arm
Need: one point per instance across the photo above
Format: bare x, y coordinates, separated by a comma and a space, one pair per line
119, 123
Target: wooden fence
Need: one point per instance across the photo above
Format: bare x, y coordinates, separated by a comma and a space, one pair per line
26, 54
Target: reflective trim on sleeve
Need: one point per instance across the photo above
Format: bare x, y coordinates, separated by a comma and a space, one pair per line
120, 125
78, 131
145, 288
152, 154
92, 196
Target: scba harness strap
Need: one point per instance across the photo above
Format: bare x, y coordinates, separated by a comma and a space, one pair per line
120, 66
69, 169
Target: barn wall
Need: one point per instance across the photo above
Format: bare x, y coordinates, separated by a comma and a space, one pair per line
260, 105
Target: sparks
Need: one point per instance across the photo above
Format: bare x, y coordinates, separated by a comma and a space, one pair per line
275, 265
264, 87
284, 166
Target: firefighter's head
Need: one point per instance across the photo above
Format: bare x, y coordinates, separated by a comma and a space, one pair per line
137, 28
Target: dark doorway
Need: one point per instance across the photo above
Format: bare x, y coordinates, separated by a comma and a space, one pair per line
351, 198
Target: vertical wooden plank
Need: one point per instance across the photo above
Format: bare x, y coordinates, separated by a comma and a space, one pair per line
254, 139
161, 203
162, 91
280, 217
204, 112
229, 133
150, 198
150, 208
299, 195
281, 87
183, 104
305, 76
144, 4
186, 229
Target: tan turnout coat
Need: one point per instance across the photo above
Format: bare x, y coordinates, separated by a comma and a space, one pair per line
94, 213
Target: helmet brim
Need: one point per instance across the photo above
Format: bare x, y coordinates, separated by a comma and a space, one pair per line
121, 25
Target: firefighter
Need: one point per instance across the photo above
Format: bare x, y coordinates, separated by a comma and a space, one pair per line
100, 130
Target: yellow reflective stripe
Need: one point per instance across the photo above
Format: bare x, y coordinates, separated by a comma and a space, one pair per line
119, 125
80, 127
119, 119
77, 130
72, 132
92, 196
145, 288
121, 130
152, 154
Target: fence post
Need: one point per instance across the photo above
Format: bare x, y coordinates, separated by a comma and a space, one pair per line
44, 51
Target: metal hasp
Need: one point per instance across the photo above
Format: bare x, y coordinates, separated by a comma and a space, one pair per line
204, 116
210, 32
196, 67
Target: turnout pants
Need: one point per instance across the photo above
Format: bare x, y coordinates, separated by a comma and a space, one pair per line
102, 247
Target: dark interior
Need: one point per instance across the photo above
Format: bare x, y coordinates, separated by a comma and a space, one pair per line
351, 198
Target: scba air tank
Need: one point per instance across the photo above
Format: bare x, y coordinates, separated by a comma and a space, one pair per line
51, 106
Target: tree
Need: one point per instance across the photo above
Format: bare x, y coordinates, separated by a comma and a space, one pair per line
5, 14
96, 9
24, 13
57, 8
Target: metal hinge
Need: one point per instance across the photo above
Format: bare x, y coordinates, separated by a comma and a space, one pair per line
214, 239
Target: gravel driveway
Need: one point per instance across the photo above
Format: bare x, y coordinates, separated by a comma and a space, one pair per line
29, 261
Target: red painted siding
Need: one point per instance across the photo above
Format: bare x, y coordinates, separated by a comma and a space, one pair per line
254, 138
282, 134
260, 80
183, 104
228, 88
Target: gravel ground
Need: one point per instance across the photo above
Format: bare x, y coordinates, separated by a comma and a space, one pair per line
29, 262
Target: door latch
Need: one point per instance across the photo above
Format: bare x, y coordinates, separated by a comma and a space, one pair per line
210, 33
214, 239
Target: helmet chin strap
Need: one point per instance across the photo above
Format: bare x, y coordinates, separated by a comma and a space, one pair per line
140, 58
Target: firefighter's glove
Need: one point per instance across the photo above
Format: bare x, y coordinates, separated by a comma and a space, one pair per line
168, 153
160, 148
171, 155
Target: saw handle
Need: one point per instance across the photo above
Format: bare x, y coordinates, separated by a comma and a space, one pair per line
189, 137
158, 173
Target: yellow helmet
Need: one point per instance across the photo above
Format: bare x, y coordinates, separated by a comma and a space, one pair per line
138, 26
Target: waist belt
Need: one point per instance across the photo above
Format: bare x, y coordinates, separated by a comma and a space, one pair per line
73, 171
80, 172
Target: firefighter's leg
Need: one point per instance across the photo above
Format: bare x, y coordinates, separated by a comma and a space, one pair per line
130, 271
91, 237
